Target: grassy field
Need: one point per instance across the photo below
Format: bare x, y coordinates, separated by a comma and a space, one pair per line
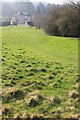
40, 76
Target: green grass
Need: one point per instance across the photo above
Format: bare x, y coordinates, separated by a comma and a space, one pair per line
36, 43
36, 68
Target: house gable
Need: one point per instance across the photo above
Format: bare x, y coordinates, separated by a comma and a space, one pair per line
23, 18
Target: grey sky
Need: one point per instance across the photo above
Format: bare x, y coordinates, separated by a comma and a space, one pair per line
51, 1
48, 1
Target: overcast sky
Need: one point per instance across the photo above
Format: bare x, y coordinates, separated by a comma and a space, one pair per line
48, 1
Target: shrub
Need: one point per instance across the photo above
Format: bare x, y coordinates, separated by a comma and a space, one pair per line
63, 20
4, 23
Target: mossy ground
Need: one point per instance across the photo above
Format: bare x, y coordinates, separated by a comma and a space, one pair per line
39, 72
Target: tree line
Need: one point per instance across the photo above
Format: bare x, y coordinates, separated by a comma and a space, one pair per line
62, 20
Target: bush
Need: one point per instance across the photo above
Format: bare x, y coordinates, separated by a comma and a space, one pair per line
63, 20
51, 29
4, 23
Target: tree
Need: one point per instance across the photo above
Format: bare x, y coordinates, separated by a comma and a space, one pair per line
41, 9
63, 20
50, 22
69, 19
39, 14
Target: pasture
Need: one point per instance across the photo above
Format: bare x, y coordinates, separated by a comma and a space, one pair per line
40, 74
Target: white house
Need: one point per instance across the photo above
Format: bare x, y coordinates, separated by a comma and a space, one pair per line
22, 18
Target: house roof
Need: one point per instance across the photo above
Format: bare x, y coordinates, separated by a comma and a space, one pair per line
25, 14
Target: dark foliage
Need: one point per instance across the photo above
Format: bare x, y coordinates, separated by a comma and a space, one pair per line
5, 23
63, 20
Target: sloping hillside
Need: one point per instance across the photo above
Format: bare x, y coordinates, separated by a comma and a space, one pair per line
40, 76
